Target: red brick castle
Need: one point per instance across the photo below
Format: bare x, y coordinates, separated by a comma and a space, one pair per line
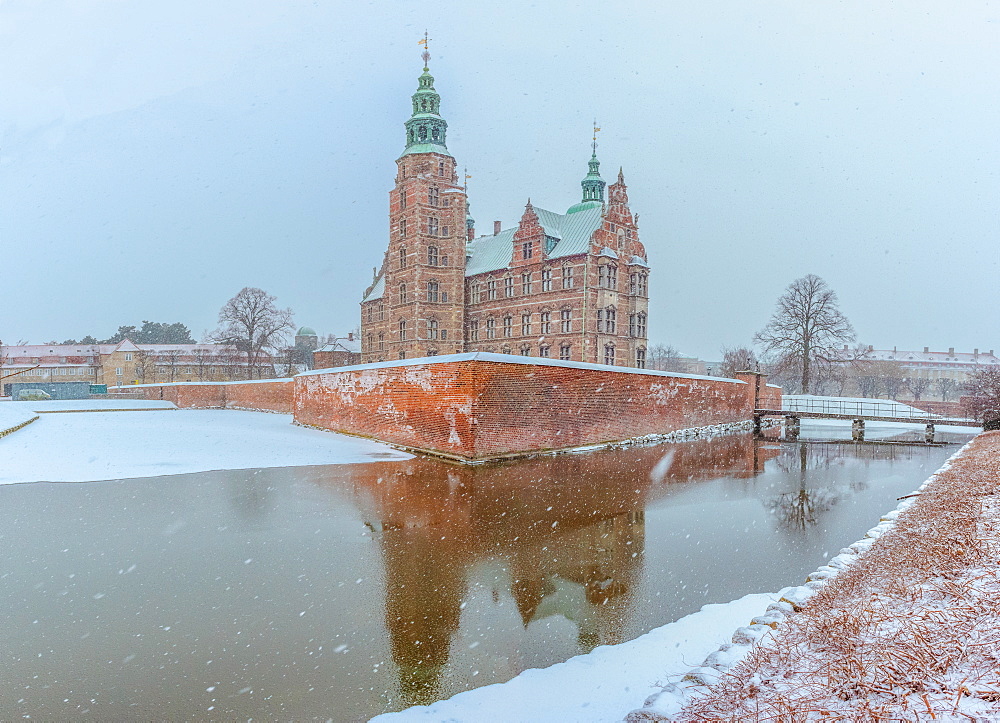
570, 286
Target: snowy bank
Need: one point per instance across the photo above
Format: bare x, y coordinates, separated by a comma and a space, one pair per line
100, 446
88, 405
600, 686
14, 418
908, 631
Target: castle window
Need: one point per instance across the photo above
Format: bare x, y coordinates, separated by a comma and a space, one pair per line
402, 199
543, 350
432, 291
444, 259
441, 168
444, 231
505, 349
607, 276
640, 325
526, 284
444, 335
508, 287
432, 256
609, 354
381, 312
402, 353
525, 350
434, 133
508, 326
525, 324
609, 315
547, 280
402, 330
600, 321
432, 352
642, 285
432, 329
402, 228
445, 202
128, 356
564, 352
402, 257
491, 328
474, 330
544, 323
567, 277
381, 341
640, 358
491, 290
371, 314
477, 293
423, 133
566, 321
432, 226
402, 293
526, 250
371, 342
433, 196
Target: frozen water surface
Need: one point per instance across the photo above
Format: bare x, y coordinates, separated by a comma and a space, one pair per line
347, 590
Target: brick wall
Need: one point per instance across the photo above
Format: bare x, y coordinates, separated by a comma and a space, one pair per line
481, 406
269, 395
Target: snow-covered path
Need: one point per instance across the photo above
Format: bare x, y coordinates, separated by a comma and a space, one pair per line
90, 446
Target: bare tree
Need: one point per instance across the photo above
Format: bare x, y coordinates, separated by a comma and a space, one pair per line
737, 359
946, 386
917, 386
664, 358
173, 357
983, 396
806, 325
145, 366
252, 324
203, 359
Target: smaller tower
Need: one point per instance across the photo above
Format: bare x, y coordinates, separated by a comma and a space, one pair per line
592, 184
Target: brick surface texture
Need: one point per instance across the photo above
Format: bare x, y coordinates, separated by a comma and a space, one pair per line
271, 396
478, 409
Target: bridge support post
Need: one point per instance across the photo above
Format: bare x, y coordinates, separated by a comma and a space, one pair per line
929, 432
757, 425
858, 430
792, 426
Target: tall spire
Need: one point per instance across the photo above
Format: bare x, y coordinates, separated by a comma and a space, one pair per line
426, 129
592, 183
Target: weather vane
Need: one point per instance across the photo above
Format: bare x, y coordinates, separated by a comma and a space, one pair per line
465, 172
426, 55
594, 143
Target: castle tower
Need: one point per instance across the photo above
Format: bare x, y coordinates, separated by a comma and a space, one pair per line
415, 306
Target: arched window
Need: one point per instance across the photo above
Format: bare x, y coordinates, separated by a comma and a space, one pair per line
402, 199
432, 329
433, 196
402, 330
640, 357
508, 327
491, 328
564, 352
402, 293
402, 257
432, 226
474, 330
525, 350
434, 133
505, 349
432, 256
423, 133
380, 313
432, 290
543, 350
610, 316
381, 341
641, 325
609, 354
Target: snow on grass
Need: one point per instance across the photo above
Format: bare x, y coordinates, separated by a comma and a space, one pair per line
87, 405
118, 445
11, 417
602, 685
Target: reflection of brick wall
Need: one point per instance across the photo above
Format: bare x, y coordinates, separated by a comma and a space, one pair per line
945, 409
480, 406
274, 396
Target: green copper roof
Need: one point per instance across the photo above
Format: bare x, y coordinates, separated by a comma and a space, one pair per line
306, 331
583, 206
572, 231
426, 129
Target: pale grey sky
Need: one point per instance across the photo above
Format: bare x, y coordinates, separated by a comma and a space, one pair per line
157, 157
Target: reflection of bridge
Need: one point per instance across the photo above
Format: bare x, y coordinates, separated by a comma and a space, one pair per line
859, 412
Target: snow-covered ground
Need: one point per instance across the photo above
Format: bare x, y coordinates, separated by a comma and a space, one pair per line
603, 685
11, 416
87, 446
85, 405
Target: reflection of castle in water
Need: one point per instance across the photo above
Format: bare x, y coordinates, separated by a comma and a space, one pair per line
569, 530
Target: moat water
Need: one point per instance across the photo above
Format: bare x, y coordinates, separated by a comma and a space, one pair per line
341, 592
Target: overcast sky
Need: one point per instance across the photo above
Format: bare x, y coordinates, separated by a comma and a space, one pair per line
157, 157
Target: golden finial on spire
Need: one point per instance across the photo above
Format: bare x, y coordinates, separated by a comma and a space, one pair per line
426, 55
593, 145
465, 172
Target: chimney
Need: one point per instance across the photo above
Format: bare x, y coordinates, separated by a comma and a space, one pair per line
951, 351
991, 352
845, 347
975, 352
350, 336
927, 350
496, 228
871, 348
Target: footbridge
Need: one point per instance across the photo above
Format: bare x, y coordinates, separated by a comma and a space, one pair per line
859, 412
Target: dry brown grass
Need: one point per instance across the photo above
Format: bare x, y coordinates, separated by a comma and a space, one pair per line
910, 632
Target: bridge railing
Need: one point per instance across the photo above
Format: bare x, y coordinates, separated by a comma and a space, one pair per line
874, 408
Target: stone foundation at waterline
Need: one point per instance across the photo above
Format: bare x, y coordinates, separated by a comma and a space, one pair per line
481, 406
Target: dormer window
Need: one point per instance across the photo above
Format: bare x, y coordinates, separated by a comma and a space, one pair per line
526, 250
